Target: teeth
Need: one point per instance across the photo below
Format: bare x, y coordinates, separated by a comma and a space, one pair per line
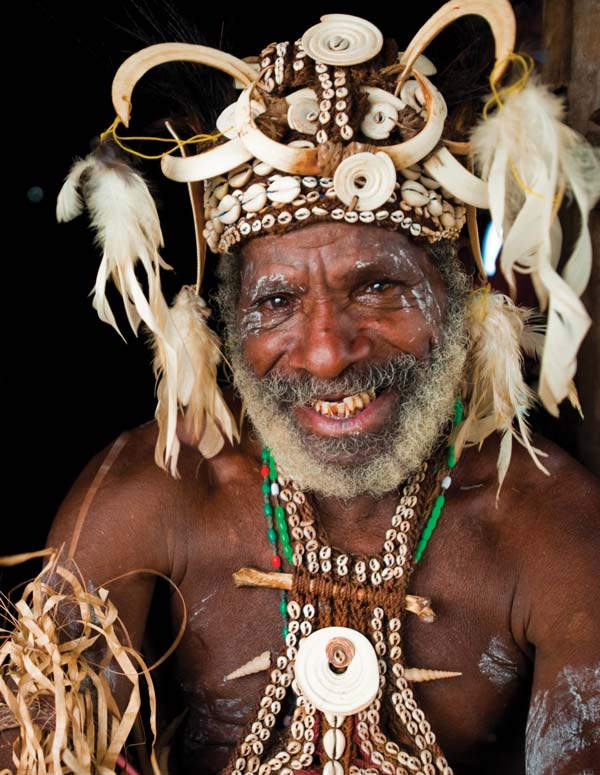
348, 407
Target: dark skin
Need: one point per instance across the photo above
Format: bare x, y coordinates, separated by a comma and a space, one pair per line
515, 587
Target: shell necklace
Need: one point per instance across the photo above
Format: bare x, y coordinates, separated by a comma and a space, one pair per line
341, 673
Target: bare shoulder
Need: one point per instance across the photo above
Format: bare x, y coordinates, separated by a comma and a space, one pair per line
124, 498
551, 524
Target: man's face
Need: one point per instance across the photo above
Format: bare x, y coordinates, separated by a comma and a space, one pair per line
335, 329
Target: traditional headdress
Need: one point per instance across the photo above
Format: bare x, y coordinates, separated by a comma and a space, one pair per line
340, 126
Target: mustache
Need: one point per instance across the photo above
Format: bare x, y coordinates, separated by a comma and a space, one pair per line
401, 372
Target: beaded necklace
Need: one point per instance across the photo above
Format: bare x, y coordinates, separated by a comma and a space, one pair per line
271, 488
345, 612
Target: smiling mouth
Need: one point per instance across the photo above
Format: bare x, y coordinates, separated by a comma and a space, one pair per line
344, 407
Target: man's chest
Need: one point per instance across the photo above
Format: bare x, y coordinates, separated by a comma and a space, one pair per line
228, 627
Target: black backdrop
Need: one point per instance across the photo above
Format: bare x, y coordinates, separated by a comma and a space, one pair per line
71, 384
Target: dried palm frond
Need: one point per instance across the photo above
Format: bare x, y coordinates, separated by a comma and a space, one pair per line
57, 664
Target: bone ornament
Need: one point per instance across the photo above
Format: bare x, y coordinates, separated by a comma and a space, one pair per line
342, 40
344, 692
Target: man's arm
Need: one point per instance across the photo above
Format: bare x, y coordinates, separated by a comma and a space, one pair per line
556, 610
114, 522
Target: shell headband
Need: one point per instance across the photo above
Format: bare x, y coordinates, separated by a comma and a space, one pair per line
339, 126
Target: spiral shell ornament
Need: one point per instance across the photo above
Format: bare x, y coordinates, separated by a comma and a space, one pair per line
342, 40
226, 120
382, 115
370, 178
303, 115
341, 693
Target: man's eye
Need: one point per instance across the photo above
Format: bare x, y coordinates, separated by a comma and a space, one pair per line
378, 286
276, 302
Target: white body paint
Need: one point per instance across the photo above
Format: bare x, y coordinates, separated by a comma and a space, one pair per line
558, 730
497, 663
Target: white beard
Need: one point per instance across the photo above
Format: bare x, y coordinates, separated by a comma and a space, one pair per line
411, 438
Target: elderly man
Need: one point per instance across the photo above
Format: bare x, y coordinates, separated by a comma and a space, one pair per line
400, 612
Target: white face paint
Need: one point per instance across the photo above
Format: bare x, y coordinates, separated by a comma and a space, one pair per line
498, 663
565, 722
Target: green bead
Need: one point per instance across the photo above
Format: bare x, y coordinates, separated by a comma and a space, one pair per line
283, 607
458, 411
272, 535
266, 488
280, 512
265, 455
284, 632
285, 540
287, 550
272, 472
268, 510
451, 456
439, 501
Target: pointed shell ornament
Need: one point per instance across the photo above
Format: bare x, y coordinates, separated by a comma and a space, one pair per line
340, 693
342, 40
369, 178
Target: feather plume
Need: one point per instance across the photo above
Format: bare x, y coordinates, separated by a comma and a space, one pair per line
124, 217
529, 159
498, 397
186, 358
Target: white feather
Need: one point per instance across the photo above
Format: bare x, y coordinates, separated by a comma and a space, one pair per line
69, 203
124, 218
529, 158
498, 399
185, 363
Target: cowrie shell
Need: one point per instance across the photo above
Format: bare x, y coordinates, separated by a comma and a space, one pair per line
435, 207
334, 743
254, 198
230, 209
262, 168
381, 215
313, 196
284, 189
239, 177
337, 214
414, 194
366, 217
245, 228
319, 211
302, 214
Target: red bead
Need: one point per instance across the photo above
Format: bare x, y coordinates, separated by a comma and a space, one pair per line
264, 471
276, 561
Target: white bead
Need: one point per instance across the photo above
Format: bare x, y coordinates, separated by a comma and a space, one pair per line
446, 482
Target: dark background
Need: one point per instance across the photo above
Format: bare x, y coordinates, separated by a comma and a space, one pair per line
71, 384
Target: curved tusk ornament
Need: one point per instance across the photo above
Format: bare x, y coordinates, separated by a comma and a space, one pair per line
414, 150
461, 183
137, 65
498, 14
296, 161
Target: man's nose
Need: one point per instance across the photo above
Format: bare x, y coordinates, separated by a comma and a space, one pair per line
328, 341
